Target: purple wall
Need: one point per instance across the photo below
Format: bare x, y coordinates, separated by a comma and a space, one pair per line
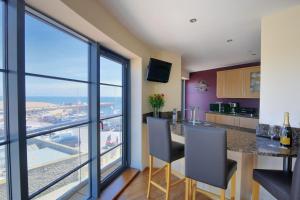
203, 99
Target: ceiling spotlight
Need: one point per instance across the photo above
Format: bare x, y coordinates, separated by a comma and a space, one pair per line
229, 40
193, 20
252, 53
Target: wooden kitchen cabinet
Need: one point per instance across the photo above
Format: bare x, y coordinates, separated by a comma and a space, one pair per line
227, 120
239, 83
210, 117
233, 83
220, 84
251, 82
238, 121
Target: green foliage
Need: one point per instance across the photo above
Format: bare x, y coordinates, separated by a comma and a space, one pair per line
157, 100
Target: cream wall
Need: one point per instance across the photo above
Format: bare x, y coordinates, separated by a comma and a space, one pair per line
91, 19
172, 89
280, 67
185, 75
280, 70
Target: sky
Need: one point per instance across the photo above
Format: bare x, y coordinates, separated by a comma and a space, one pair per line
51, 51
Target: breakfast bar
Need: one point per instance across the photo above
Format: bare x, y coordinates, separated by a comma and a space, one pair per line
243, 146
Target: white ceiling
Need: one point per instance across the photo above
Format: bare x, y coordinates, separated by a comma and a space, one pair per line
164, 24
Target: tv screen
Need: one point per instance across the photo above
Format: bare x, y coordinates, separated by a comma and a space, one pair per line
158, 70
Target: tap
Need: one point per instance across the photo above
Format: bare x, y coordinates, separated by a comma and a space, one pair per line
193, 115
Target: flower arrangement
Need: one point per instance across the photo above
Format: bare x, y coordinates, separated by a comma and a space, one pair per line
157, 101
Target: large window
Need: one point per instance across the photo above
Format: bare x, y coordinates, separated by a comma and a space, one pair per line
112, 113
57, 117
3, 132
63, 109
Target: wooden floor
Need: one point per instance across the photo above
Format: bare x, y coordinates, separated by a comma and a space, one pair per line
119, 184
137, 189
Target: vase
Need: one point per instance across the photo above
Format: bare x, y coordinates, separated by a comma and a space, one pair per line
156, 112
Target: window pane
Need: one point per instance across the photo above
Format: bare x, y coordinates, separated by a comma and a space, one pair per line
110, 71
111, 134
2, 122
110, 101
3, 174
53, 155
78, 180
53, 52
111, 161
1, 34
51, 103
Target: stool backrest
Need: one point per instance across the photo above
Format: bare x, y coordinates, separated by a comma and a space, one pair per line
296, 180
159, 138
206, 155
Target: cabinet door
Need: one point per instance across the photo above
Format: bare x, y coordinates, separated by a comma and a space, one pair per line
248, 122
210, 117
220, 84
251, 82
233, 83
236, 121
227, 120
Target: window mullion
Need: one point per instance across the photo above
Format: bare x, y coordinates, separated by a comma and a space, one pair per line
94, 136
16, 99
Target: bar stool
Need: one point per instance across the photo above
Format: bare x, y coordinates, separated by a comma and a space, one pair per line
281, 184
162, 147
206, 160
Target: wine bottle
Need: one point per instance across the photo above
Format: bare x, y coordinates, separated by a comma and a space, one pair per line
286, 132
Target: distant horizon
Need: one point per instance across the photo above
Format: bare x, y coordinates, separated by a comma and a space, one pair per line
71, 96
68, 99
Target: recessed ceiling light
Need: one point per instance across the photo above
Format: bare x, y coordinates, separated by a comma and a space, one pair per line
229, 40
193, 20
252, 53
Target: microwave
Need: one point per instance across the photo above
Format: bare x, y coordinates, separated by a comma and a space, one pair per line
219, 107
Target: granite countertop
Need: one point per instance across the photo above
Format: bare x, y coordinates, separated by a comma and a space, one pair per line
237, 114
244, 140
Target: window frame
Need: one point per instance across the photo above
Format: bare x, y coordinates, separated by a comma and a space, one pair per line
109, 54
51, 22
4, 73
14, 100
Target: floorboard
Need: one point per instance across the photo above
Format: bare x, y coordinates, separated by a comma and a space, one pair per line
137, 189
117, 186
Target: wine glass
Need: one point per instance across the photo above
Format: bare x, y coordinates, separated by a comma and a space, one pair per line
272, 133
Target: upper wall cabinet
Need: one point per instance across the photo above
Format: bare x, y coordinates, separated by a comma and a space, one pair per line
220, 84
239, 83
252, 82
234, 83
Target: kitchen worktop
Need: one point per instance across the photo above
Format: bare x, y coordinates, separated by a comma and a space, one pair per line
243, 146
237, 114
243, 140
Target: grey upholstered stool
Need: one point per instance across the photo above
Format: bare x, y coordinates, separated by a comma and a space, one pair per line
162, 147
282, 185
206, 160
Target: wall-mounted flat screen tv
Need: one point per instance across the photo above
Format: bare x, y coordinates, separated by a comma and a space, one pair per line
158, 70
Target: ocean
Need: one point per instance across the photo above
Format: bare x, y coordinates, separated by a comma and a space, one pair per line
71, 100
